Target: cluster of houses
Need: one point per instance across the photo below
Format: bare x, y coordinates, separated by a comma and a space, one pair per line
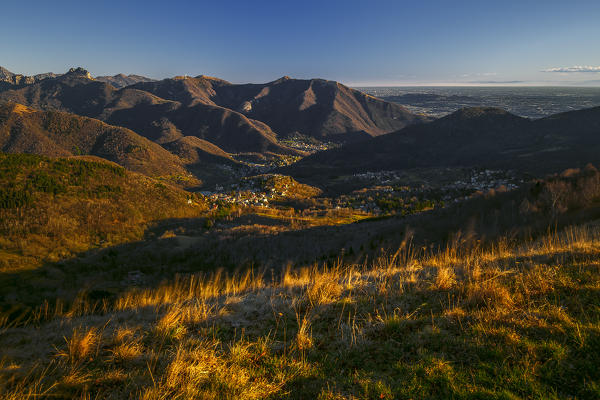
249, 168
284, 161
379, 177
380, 196
248, 198
369, 207
308, 145
254, 191
476, 179
486, 180
385, 198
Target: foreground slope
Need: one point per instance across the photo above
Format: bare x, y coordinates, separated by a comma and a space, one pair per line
496, 310
508, 322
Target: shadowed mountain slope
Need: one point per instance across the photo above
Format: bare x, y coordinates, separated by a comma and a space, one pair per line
485, 137
322, 109
168, 121
193, 150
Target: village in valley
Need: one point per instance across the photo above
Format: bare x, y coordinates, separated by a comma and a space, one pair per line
370, 194
308, 144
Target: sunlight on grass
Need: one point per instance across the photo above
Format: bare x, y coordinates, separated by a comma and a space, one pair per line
500, 322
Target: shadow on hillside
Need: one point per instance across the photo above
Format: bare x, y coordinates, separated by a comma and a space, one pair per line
178, 247
186, 246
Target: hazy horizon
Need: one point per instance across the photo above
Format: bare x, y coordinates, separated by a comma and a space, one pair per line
516, 84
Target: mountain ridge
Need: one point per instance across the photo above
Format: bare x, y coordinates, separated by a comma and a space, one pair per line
470, 137
158, 119
11, 78
121, 80
325, 110
316, 107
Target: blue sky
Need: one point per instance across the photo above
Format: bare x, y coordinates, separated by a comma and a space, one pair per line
376, 42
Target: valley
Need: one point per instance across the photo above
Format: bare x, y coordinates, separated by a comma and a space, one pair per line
246, 175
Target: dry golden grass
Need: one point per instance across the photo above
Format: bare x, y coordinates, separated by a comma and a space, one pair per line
126, 348
445, 278
304, 335
82, 345
517, 320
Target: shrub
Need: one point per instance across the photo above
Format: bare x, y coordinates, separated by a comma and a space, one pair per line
13, 198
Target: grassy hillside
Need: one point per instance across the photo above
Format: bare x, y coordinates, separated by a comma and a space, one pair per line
515, 320
53, 133
53, 208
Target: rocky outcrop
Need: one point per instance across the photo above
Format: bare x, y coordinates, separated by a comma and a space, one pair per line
18, 79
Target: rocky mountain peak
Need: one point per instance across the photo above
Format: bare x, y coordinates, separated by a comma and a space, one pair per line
80, 72
5, 74
281, 80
